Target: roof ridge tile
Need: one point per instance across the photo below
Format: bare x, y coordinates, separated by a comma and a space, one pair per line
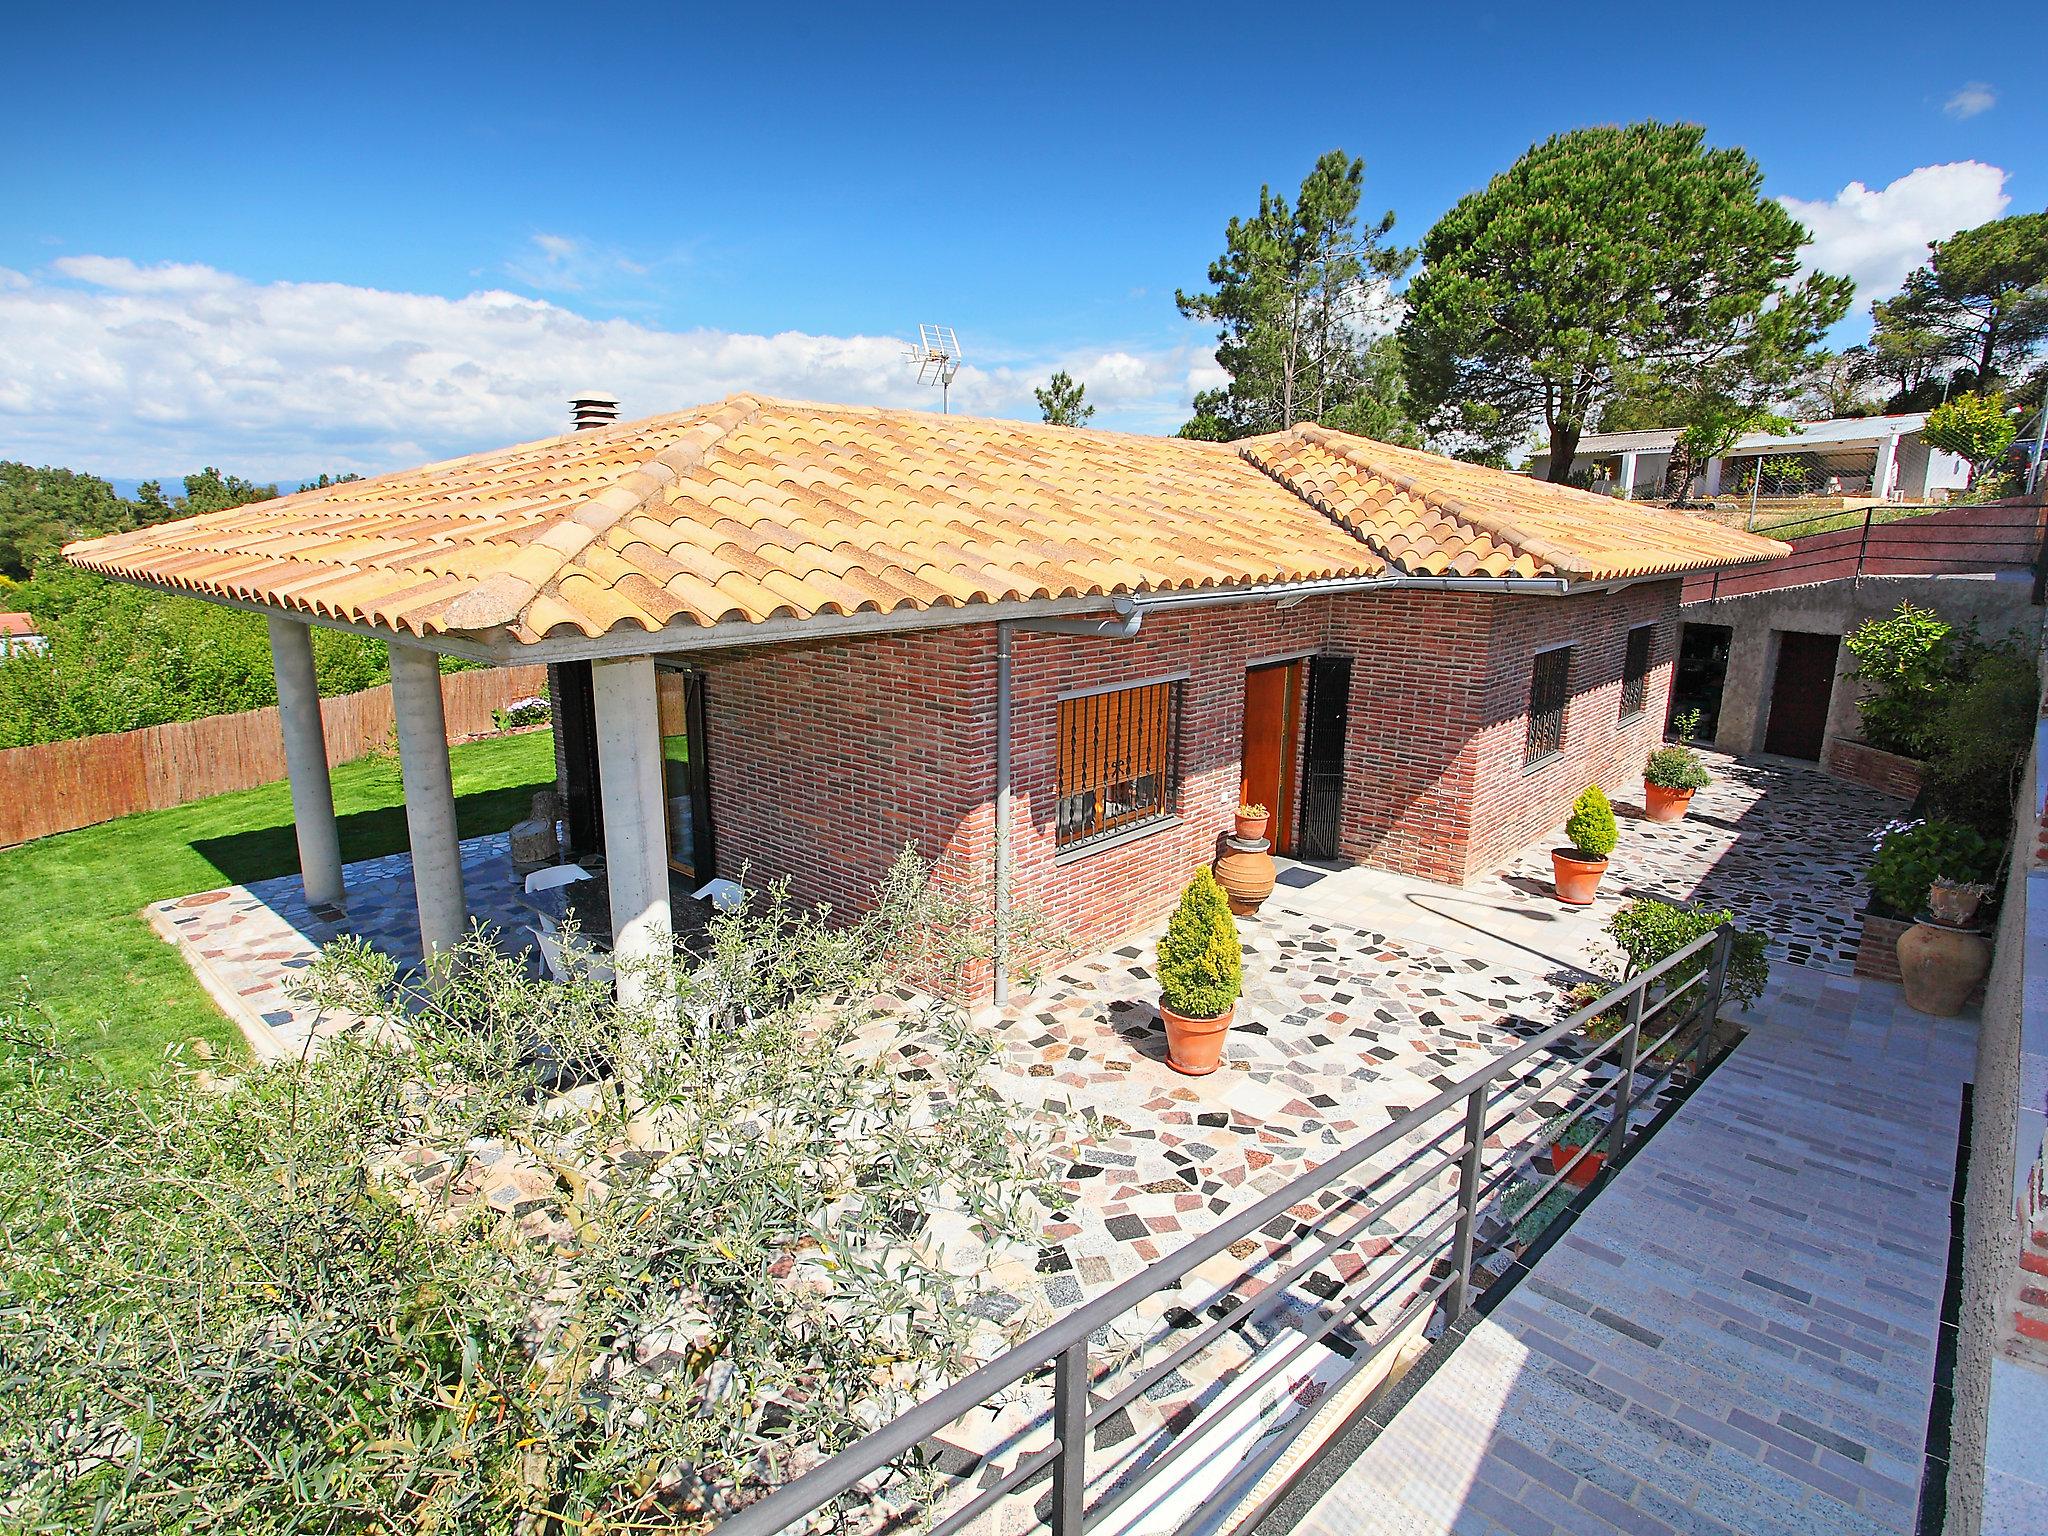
1567, 562
501, 598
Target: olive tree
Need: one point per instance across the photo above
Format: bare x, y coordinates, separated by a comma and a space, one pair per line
505, 1255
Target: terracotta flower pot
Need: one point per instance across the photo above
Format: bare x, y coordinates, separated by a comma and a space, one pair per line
1195, 1046
1584, 1171
1940, 967
1246, 874
1577, 875
1954, 905
1661, 804
1253, 827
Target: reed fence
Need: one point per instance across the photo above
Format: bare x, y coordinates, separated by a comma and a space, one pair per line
60, 786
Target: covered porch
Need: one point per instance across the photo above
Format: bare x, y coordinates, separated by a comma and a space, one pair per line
645, 830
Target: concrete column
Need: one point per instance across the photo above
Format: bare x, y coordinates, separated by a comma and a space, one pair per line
1628, 473
1713, 485
305, 759
1885, 467
429, 797
1745, 690
635, 817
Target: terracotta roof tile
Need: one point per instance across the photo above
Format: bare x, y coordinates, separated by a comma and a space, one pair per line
754, 509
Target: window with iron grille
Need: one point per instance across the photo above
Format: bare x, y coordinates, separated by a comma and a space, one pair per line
1549, 682
1119, 762
1635, 670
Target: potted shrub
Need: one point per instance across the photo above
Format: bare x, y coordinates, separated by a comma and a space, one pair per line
1251, 821
1671, 776
1592, 833
1565, 1143
1201, 972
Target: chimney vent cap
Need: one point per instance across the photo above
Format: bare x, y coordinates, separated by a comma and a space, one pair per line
591, 409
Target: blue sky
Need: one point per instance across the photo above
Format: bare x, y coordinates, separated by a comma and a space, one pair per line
287, 239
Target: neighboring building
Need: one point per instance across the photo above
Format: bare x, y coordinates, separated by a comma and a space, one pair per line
1877, 457
19, 635
788, 639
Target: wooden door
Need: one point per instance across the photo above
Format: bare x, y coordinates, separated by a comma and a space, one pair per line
1800, 694
1272, 735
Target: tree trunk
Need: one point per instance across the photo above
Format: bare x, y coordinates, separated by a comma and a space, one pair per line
1564, 446
1984, 375
1678, 473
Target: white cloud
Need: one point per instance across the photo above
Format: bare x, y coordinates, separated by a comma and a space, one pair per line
127, 369
1970, 100
1877, 237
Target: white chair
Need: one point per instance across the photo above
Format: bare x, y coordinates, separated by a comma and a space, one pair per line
723, 895
559, 874
563, 963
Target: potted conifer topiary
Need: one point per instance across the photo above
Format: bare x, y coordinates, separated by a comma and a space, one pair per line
1201, 972
1593, 834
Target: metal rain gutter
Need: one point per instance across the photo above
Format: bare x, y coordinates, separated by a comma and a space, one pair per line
1000, 938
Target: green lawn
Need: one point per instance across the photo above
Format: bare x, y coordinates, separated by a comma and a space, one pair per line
73, 927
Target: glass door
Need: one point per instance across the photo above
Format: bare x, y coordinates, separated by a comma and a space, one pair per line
679, 704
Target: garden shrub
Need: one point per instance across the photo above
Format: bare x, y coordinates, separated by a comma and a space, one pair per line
1201, 960
1906, 661
1983, 734
1911, 857
283, 1303
1590, 828
1646, 931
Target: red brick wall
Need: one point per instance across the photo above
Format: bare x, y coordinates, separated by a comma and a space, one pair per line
1108, 891
825, 760
1417, 691
1513, 806
1863, 764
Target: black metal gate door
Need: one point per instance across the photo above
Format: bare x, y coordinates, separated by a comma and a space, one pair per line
1322, 797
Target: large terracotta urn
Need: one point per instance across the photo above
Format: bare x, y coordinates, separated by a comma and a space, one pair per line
1195, 1046
1941, 966
1661, 804
1246, 873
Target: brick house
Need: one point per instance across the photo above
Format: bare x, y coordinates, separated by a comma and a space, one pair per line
788, 639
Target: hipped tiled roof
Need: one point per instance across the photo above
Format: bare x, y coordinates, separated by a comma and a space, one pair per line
756, 509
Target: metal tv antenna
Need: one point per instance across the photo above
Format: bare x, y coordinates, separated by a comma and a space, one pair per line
936, 357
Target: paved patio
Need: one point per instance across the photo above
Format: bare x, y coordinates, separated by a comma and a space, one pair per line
1779, 843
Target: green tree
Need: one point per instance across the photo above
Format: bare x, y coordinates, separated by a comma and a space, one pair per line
1294, 295
1981, 298
326, 480
1978, 427
211, 491
41, 510
1600, 254
1060, 402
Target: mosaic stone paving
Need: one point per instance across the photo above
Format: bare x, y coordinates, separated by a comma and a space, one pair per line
1340, 1032
1782, 846
247, 942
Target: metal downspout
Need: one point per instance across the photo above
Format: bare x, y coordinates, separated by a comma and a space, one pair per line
1001, 939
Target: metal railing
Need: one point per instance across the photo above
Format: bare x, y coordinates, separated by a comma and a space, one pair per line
1880, 543
1437, 1248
